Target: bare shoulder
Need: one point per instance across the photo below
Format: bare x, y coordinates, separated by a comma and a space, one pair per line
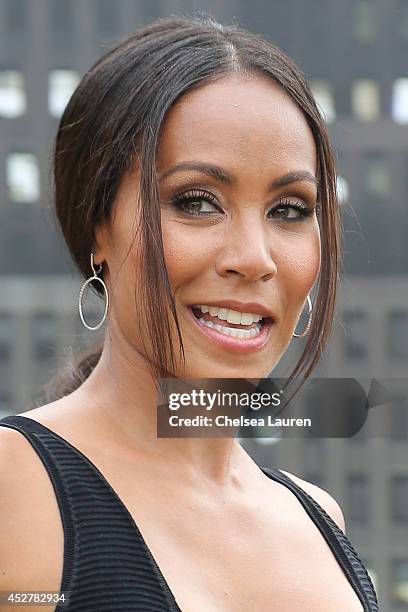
28, 546
14, 454
323, 498
14, 516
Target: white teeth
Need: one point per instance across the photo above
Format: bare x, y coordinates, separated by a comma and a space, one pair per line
223, 313
231, 331
232, 316
246, 319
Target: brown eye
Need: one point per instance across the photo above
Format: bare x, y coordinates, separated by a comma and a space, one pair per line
198, 203
292, 210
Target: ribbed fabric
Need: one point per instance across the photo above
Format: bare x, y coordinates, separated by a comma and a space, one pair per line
108, 566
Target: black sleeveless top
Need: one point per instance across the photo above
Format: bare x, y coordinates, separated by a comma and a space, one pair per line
108, 566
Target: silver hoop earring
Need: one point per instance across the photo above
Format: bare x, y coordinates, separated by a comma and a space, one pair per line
89, 280
309, 321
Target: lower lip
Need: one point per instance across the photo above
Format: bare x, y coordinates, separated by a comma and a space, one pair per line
240, 345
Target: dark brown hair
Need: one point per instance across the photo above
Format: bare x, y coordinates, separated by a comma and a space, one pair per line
113, 120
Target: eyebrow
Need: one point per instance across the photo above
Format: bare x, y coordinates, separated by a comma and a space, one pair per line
228, 179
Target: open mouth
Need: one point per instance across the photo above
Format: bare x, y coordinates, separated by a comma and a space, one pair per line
226, 322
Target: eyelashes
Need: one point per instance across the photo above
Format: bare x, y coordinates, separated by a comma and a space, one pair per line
191, 203
182, 200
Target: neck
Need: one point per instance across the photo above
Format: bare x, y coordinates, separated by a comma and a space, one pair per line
126, 404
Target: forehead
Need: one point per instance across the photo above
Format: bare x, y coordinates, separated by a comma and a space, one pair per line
241, 121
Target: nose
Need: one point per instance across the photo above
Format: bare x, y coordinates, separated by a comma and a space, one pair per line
247, 251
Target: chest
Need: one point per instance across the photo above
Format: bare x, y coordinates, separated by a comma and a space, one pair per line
233, 555
265, 556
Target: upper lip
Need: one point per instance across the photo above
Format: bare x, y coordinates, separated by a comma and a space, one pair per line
250, 307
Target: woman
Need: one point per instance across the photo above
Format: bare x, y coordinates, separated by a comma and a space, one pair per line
192, 169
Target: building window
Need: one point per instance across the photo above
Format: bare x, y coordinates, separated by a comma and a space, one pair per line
44, 336
5, 403
7, 335
398, 334
399, 418
399, 109
61, 85
13, 101
324, 98
15, 14
359, 502
399, 581
342, 189
23, 177
375, 175
399, 499
364, 21
365, 100
401, 16
355, 334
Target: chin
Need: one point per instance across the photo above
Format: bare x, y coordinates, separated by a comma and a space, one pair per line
233, 371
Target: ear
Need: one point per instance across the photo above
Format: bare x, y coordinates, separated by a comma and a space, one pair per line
101, 246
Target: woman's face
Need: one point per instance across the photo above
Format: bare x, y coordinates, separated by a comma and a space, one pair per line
237, 169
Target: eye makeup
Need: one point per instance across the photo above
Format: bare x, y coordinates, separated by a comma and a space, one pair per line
192, 202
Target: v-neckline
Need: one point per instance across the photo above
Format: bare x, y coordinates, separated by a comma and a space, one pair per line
272, 473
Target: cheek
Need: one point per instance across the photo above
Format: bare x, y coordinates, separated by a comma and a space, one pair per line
300, 266
185, 252
189, 257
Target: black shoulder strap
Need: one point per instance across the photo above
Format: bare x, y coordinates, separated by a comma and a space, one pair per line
336, 539
106, 560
